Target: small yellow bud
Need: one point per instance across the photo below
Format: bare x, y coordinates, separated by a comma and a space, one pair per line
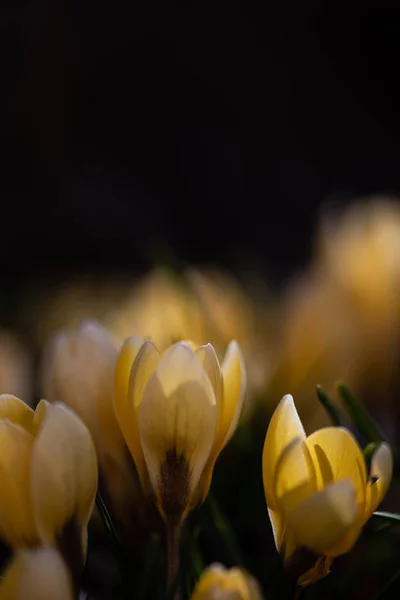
218, 583
318, 492
177, 410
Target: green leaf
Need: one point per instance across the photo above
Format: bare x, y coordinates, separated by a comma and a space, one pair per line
225, 531
119, 556
380, 521
359, 415
334, 412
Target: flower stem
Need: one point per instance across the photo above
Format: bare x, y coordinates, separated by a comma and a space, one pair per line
173, 539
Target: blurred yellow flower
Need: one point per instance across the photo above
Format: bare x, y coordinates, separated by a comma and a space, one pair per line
177, 410
315, 344
160, 307
359, 253
37, 574
78, 369
218, 583
48, 474
317, 488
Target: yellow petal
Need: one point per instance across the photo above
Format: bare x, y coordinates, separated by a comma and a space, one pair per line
348, 541
234, 392
295, 477
63, 471
278, 528
209, 361
123, 405
218, 583
17, 524
381, 471
336, 455
177, 414
325, 518
143, 367
38, 574
284, 427
16, 411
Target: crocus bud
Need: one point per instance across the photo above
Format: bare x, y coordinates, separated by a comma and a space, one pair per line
177, 413
48, 474
218, 583
78, 369
318, 492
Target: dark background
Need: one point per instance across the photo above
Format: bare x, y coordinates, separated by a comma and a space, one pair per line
214, 128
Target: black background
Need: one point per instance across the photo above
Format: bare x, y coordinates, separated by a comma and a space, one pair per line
215, 128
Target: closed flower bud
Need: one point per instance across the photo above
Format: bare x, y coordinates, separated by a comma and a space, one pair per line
218, 583
48, 475
177, 410
78, 369
318, 491
37, 574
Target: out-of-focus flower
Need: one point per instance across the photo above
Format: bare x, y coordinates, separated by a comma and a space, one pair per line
78, 369
15, 368
360, 255
48, 475
160, 307
317, 488
218, 583
37, 574
316, 344
200, 305
177, 410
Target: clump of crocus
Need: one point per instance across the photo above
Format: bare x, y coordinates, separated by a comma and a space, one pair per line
318, 491
219, 583
177, 410
48, 475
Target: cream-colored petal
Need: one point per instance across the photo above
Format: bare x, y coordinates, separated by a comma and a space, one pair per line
16, 411
17, 524
39, 574
325, 518
278, 527
79, 371
177, 414
143, 367
381, 474
63, 472
336, 455
284, 427
123, 404
210, 363
295, 477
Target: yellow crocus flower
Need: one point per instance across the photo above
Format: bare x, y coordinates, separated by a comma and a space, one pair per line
318, 491
78, 369
177, 410
218, 583
48, 474
37, 574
